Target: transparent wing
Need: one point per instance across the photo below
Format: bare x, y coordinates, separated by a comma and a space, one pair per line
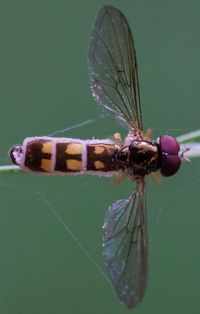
113, 67
125, 246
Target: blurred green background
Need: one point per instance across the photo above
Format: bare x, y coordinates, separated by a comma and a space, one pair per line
43, 88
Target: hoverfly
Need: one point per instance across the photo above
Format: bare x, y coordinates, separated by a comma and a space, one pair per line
114, 83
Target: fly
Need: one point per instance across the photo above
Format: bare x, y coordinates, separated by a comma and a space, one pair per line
114, 83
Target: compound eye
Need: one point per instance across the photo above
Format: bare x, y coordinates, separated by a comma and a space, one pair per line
169, 145
169, 164
170, 160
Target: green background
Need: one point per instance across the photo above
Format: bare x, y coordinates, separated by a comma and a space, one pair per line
44, 87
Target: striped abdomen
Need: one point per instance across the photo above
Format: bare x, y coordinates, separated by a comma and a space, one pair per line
65, 155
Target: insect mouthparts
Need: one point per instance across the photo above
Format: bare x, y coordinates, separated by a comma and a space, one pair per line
182, 155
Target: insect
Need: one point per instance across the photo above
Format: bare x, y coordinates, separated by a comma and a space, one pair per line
114, 83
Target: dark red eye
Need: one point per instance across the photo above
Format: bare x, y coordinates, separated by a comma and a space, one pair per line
170, 160
169, 165
169, 145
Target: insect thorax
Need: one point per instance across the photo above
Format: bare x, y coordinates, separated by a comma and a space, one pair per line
140, 157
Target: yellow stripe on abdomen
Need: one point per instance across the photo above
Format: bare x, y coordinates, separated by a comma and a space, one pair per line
47, 147
73, 165
46, 165
38, 155
74, 149
101, 157
69, 157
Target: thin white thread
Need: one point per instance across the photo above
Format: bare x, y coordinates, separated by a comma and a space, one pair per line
69, 231
78, 125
